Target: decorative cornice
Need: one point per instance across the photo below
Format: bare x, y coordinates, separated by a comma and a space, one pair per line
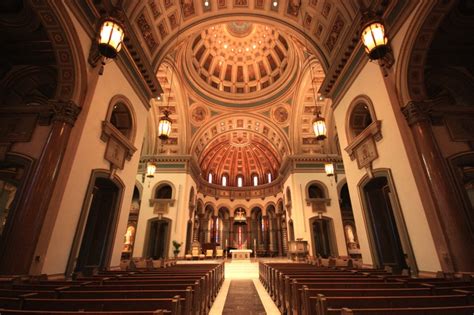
131, 60
373, 130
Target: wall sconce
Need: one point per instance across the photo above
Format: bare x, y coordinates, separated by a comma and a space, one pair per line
109, 42
375, 41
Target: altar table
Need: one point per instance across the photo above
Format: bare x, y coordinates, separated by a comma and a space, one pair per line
238, 254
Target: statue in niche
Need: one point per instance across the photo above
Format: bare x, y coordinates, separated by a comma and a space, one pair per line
129, 238
349, 234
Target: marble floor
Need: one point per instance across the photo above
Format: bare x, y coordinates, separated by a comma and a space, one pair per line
242, 292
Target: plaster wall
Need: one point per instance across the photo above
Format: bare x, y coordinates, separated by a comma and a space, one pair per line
178, 213
90, 156
301, 212
392, 155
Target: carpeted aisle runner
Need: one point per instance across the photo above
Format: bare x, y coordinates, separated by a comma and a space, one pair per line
243, 299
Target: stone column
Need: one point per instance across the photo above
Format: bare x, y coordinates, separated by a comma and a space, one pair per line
214, 229
32, 208
266, 233
231, 232
448, 213
196, 229
279, 236
284, 232
249, 229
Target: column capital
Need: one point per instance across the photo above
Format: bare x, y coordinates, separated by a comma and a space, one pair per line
416, 111
65, 111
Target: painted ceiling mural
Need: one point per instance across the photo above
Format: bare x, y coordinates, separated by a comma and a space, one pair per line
249, 94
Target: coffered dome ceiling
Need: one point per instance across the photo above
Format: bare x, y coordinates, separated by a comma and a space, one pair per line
240, 56
240, 153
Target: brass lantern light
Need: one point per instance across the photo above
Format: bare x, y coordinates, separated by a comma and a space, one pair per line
329, 169
164, 126
150, 170
375, 40
111, 36
319, 127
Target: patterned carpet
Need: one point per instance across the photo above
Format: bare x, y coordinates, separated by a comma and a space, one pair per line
243, 299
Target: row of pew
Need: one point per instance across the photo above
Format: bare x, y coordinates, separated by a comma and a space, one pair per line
299, 288
177, 290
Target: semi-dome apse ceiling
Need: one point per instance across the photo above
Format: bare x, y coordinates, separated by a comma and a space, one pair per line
239, 57
240, 154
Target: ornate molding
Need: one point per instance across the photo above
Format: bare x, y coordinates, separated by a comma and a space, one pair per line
374, 130
118, 147
416, 112
65, 111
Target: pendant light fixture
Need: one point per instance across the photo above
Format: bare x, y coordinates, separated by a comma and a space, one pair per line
329, 169
374, 39
165, 123
150, 170
319, 123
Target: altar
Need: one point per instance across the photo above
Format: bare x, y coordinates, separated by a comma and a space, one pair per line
239, 254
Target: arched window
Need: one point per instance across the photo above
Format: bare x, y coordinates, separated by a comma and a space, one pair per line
255, 180
269, 177
209, 178
360, 118
240, 181
121, 119
314, 191
164, 192
224, 180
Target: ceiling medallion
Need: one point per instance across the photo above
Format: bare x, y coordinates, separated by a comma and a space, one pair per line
239, 28
240, 139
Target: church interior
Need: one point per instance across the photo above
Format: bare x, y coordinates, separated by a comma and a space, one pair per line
222, 156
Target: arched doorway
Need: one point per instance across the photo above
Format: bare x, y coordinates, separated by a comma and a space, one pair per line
129, 236
347, 215
99, 218
158, 238
388, 235
322, 235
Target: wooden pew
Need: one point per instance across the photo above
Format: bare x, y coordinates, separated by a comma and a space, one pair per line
441, 310
333, 305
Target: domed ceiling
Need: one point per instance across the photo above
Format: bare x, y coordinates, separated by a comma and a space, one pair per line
240, 153
240, 57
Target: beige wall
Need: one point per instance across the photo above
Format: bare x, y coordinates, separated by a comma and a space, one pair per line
392, 155
89, 156
301, 213
178, 213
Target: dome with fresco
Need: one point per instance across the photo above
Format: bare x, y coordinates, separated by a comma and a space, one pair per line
240, 57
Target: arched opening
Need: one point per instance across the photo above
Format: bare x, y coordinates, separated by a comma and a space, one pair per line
129, 236
14, 171
385, 221
315, 191
121, 119
164, 191
360, 118
323, 236
241, 229
99, 217
158, 238
347, 215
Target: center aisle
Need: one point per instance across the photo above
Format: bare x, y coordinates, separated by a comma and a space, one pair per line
243, 299
242, 292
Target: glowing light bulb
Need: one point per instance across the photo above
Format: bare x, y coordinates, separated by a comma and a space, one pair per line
206, 3
275, 3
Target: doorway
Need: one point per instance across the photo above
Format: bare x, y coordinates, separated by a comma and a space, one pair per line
323, 237
158, 238
99, 231
383, 226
